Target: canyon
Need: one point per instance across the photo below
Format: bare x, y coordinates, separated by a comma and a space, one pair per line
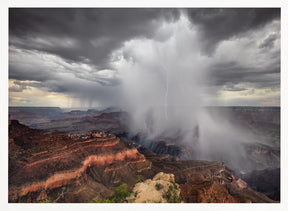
40, 162
92, 153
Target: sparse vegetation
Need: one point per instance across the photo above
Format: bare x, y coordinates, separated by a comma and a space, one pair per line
159, 186
45, 201
139, 178
98, 200
119, 195
172, 195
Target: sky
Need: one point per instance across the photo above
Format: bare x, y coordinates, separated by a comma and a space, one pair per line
99, 57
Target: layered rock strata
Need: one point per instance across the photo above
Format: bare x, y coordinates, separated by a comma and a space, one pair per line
60, 167
40, 162
204, 181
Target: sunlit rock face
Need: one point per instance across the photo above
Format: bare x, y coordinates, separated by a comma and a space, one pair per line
161, 189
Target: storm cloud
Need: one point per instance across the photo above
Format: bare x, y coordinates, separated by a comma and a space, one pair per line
220, 24
83, 35
75, 51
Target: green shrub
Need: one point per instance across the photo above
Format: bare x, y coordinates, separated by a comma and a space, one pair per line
159, 186
139, 178
172, 196
45, 201
99, 200
119, 195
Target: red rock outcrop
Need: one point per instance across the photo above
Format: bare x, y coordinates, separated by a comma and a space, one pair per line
41, 161
200, 190
205, 181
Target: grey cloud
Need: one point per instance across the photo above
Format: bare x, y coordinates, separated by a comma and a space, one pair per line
76, 37
26, 65
34, 74
232, 87
232, 73
85, 91
93, 33
269, 41
31, 65
221, 24
19, 86
16, 89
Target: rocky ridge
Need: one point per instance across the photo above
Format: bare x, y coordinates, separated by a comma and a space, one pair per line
41, 161
197, 177
77, 167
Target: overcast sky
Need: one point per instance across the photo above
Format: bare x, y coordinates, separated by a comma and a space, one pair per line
75, 57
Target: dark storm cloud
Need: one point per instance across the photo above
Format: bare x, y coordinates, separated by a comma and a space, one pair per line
66, 50
35, 66
232, 87
25, 65
83, 35
19, 73
231, 74
75, 87
221, 24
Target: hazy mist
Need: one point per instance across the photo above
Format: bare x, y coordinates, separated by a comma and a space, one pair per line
162, 86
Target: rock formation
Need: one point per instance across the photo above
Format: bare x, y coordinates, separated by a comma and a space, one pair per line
41, 162
60, 167
204, 181
161, 189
